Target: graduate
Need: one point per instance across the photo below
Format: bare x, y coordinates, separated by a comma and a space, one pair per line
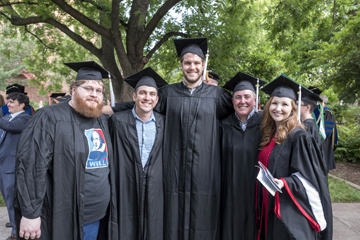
137, 137
291, 154
240, 140
62, 191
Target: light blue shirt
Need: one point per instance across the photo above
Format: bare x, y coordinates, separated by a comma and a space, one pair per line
244, 124
146, 132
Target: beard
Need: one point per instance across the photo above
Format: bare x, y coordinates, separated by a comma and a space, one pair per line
85, 110
191, 80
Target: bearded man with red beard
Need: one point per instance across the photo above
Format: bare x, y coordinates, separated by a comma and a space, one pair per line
60, 192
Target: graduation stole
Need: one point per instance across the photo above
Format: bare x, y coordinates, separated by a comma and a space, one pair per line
321, 126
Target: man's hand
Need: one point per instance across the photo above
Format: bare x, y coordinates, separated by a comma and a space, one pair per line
280, 183
30, 228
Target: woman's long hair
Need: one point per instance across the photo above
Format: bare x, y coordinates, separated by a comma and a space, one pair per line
268, 126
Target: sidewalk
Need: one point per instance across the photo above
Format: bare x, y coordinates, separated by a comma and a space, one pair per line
346, 221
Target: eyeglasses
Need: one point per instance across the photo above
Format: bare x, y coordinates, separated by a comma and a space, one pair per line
91, 90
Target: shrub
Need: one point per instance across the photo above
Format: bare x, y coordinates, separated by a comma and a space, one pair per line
348, 148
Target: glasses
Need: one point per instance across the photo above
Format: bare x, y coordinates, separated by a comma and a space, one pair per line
91, 90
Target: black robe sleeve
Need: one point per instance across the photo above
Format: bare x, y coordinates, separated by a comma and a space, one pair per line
33, 158
123, 106
224, 106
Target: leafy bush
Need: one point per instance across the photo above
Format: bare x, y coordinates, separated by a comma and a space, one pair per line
348, 149
337, 110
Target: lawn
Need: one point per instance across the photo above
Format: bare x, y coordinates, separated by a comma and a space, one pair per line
342, 192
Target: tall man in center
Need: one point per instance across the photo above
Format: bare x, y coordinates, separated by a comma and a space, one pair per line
191, 160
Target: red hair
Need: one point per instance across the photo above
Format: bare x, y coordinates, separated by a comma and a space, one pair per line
268, 126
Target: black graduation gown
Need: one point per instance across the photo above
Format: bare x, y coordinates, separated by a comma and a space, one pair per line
311, 128
50, 173
328, 143
299, 153
139, 190
192, 167
238, 159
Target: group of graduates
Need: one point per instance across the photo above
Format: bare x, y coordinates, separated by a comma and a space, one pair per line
177, 163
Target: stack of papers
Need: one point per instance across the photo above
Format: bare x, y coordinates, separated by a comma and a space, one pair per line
266, 179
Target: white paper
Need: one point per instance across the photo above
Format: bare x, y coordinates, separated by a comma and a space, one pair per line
266, 179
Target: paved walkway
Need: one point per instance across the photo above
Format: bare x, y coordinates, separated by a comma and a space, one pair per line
346, 221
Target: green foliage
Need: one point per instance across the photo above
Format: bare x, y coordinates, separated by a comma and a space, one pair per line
13, 49
342, 192
338, 110
348, 148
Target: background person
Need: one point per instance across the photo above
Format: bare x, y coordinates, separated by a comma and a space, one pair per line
11, 126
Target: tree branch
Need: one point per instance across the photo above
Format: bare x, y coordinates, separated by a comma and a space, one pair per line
14, 3
39, 39
155, 20
77, 38
83, 19
163, 40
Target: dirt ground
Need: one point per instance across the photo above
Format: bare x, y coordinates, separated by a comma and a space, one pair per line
348, 171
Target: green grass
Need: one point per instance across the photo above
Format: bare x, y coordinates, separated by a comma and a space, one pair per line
342, 192
2, 203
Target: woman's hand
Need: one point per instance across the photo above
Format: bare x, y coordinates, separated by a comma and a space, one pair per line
279, 182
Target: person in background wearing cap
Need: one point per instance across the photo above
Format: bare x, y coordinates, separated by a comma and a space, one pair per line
19, 89
308, 105
212, 78
54, 97
137, 136
329, 144
240, 140
294, 159
59, 192
11, 126
191, 160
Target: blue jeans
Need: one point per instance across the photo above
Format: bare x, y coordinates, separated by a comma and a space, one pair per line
91, 230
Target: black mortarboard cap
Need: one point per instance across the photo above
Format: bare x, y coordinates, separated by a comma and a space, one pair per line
283, 86
213, 75
15, 88
64, 98
243, 81
315, 90
312, 98
89, 70
55, 95
197, 46
146, 77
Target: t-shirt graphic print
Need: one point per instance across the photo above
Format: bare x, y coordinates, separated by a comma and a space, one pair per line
98, 157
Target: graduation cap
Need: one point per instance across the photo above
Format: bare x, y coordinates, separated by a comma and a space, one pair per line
243, 81
63, 98
213, 75
313, 98
15, 88
197, 46
283, 86
55, 95
315, 90
92, 71
146, 77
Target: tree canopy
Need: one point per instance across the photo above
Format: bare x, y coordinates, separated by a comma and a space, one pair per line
314, 42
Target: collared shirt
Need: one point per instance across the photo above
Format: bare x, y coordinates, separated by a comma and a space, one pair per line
14, 115
146, 132
243, 124
192, 89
